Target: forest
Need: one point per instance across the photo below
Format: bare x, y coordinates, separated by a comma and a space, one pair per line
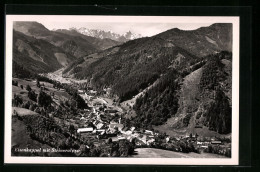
159, 103
218, 115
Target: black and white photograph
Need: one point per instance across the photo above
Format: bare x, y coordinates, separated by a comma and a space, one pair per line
122, 90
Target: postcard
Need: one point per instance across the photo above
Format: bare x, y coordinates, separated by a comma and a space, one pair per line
97, 89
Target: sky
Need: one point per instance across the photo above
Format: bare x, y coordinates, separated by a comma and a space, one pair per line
145, 29
144, 25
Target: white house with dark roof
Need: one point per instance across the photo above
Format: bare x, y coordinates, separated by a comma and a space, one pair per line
84, 130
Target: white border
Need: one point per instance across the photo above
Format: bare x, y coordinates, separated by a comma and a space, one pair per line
152, 161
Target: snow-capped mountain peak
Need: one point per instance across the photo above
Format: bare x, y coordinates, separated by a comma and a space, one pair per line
107, 34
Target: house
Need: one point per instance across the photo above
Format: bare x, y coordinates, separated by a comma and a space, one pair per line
216, 142
80, 91
136, 134
100, 132
84, 130
111, 111
199, 143
150, 141
114, 125
167, 139
125, 129
132, 129
128, 132
143, 139
121, 138
114, 139
148, 132
99, 125
139, 143
93, 92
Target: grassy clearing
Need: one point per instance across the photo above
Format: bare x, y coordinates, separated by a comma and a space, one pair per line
49, 89
62, 58
23, 111
188, 99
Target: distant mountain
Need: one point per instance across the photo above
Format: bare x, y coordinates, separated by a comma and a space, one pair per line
97, 33
73, 43
102, 44
38, 55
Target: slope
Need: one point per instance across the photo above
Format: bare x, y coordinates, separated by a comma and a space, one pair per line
133, 66
203, 41
38, 55
204, 100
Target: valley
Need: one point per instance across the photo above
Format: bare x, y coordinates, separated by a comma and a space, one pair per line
168, 95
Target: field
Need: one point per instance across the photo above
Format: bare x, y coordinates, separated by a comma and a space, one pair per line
159, 153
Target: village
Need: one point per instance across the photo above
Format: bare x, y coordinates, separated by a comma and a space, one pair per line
103, 120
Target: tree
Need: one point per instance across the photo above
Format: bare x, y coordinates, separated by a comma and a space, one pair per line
95, 152
17, 100
71, 128
80, 102
44, 99
15, 83
38, 83
32, 95
218, 115
32, 107
109, 141
21, 86
28, 88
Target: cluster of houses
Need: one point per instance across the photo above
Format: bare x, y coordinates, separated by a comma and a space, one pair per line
105, 122
102, 128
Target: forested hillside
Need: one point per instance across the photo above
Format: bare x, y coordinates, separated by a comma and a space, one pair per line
207, 105
160, 102
215, 81
136, 65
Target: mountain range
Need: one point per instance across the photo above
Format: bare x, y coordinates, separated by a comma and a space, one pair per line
182, 78
97, 33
